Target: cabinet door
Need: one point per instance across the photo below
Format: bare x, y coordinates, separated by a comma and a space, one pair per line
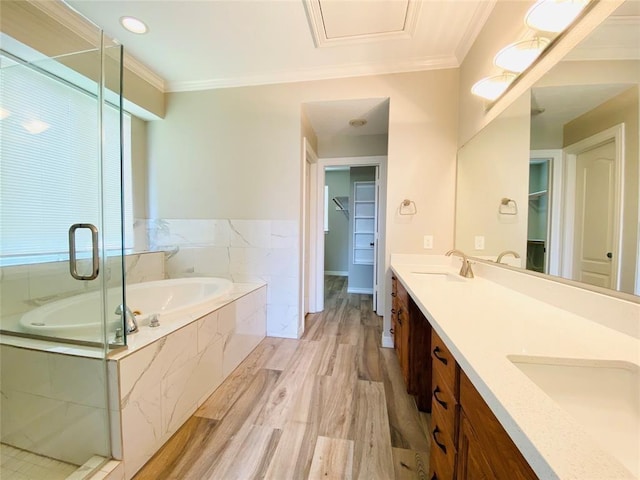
472, 465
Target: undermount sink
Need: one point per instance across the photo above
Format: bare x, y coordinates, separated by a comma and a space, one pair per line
439, 274
603, 396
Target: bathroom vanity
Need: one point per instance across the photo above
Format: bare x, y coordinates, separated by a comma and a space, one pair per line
521, 380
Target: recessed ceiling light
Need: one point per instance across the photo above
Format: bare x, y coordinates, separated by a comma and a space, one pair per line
491, 88
4, 113
554, 15
134, 25
358, 122
518, 56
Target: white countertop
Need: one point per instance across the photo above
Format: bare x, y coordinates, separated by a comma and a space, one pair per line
482, 322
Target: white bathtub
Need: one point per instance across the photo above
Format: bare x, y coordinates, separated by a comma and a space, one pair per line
78, 317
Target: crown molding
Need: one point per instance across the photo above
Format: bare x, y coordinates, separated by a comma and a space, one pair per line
325, 73
476, 24
136, 67
319, 35
90, 32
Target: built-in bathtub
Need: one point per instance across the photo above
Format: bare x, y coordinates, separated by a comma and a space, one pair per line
154, 384
78, 317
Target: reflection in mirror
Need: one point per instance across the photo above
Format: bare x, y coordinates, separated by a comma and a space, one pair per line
580, 209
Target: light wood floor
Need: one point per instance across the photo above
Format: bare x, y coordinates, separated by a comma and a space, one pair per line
331, 405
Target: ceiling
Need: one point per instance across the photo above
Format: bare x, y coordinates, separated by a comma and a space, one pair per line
196, 45
332, 118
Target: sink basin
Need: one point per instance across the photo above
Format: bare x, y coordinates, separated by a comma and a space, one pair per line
604, 396
439, 275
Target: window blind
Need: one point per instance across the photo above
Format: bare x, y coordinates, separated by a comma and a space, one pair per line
50, 171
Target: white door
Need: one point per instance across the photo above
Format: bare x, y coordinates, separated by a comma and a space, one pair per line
375, 242
595, 216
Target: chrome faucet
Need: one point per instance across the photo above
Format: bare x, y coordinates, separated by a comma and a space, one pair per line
465, 270
130, 322
507, 252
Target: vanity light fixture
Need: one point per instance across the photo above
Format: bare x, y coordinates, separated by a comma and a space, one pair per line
35, 126
554, 15
134, 25
491, 88
519, 55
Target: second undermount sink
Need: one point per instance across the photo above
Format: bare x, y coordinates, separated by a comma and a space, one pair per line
603, 396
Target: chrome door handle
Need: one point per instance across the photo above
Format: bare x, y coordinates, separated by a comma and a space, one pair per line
73, 264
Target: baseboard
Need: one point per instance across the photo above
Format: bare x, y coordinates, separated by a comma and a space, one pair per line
387, 341
360, 290
337, 273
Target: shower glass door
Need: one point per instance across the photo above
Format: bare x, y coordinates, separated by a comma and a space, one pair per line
61, 244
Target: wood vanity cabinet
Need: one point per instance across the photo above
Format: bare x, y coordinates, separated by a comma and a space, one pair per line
445, 411
412, 339
400, 324
486, 444
467, 440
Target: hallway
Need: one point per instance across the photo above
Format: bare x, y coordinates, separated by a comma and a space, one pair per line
331, 405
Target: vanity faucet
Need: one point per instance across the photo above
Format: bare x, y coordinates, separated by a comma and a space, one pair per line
130, 322
507, 252
465, 270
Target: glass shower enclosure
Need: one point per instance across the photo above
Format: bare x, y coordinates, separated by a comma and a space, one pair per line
61, 242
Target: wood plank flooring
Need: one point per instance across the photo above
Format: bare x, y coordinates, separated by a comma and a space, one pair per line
331, 405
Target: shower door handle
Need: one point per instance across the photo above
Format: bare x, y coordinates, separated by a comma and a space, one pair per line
95, 261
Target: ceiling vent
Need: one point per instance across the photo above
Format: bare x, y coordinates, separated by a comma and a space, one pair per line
336, 23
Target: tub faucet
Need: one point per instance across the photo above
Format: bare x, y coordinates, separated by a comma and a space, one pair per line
130, 323
507, 252
465, 270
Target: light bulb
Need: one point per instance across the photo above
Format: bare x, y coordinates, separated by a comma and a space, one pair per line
518, 56
491, 88
554, 15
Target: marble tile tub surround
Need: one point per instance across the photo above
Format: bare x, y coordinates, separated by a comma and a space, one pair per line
46, 410
240, 250
483, 321
25, 287
160, 385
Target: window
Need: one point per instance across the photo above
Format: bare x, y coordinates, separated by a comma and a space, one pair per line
50, 172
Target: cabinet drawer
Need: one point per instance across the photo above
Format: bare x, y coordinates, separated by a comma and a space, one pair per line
444, 406
439, 467
442, 440
444, 365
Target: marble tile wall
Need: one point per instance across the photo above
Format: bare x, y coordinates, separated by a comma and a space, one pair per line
242, 251
161, 385
46, 410
25, 287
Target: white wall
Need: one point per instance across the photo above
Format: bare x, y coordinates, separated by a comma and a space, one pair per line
336, 146
235, 153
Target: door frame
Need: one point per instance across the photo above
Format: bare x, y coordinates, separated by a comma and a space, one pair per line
372, 161
571, 152
307, 287
554, 216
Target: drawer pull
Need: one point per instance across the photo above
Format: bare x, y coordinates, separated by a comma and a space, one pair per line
393, 311
394, 294
435, 354
391, 331
442, 446
435, 395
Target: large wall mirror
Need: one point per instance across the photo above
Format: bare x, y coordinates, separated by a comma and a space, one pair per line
554, 179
